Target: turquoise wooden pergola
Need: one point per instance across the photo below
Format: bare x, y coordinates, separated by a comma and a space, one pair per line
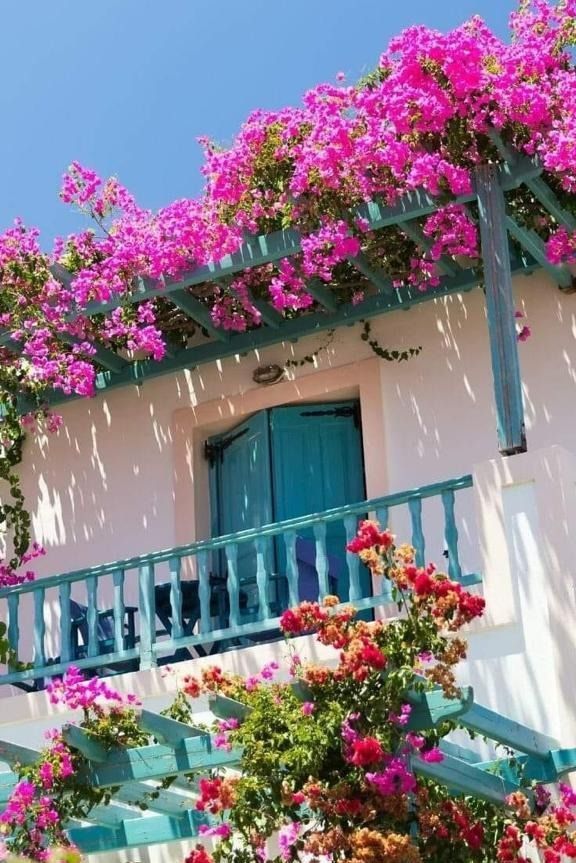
134, 776
501, 261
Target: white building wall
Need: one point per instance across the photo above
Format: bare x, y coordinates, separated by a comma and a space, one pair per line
126, 475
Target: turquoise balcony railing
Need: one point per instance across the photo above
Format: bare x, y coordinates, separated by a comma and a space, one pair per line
212, 595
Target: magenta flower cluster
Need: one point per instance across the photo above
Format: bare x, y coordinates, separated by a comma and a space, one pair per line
34, 815
75, 692
422, 120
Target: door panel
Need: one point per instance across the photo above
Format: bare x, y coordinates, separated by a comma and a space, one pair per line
241, 490
317, 464
281, 464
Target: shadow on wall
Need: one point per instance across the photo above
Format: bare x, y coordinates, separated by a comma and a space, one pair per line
525, 666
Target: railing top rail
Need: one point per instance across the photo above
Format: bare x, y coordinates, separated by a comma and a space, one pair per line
219, 542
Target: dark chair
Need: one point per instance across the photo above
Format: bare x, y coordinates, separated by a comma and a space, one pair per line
308, 589
308, 586
219, 607
105, 635
106, 642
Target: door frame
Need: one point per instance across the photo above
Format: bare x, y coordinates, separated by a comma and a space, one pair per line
191, 425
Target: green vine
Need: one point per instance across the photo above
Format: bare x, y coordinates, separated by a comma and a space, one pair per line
391, 356
394, 356
13, 513
311, 358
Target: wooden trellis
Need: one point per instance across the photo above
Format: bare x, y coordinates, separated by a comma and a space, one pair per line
134, 775
500, 262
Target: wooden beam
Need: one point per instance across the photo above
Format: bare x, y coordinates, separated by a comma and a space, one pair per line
430, 708
168, 730
164, 802
137, 832
535, 246
86, 745
14, 753
157, 761
466, 778
507, 731
412, 230
323, 295
241, 343
543, 193
269, 248
500, 310
374, 275
270, 316
107, 358
199, 313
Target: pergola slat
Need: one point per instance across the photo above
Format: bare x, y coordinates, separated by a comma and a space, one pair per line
500, 310
533, 244
168, 730
166, 802
270, 248
467, 778
143, 831
379, 279
323, 295
445, 265
199, 313
261, 337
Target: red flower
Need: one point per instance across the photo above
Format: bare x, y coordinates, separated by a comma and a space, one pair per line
290, 622
366, 751
350, 806
199, 855
369, 536
373, 656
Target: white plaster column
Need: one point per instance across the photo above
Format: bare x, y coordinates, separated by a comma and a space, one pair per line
523, 654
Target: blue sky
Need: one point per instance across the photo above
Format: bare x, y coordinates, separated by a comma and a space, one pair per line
126, 86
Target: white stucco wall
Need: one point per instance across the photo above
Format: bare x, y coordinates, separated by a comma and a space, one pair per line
126, 473
126, 476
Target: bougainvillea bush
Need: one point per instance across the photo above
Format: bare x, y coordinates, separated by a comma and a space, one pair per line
328, 754
425, 118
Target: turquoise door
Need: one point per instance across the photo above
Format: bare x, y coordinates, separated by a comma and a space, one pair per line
283, 463
317, 464
240, 486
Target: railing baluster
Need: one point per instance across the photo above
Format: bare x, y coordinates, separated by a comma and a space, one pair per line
147, 614
292, 573
382, 516
204, 591
13, 624
65, 622
176, 597
415, 507
451, 535
92, 614
39, 628
321, 559
352, 560
233, 583
262, 578
119, 610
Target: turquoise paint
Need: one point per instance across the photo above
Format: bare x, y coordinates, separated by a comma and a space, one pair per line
317, 464
534, 244
500, 310
189, 749
466, 778
289, 329
256, 544
451, 535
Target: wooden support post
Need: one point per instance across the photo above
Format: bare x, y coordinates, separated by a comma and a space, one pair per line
500, 310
